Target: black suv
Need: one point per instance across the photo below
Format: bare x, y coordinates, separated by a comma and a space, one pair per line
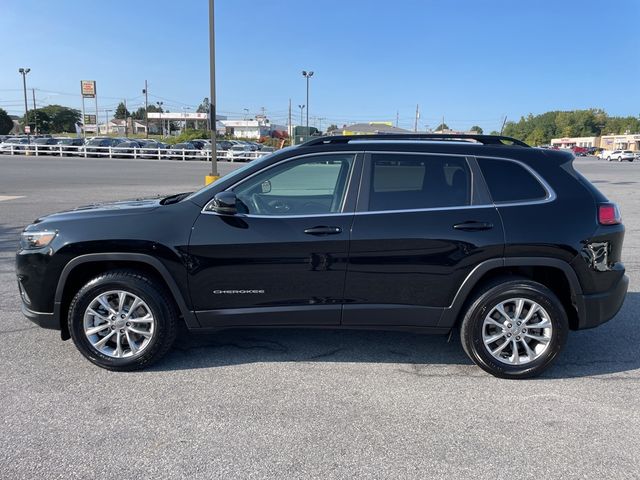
426, 233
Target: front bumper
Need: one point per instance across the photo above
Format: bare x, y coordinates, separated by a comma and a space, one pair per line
602, 307
42, 319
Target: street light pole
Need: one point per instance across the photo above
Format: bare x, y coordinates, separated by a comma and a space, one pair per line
307, 75
212, 103
160, 113
23, 72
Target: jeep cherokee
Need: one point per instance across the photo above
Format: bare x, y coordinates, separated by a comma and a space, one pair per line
427, 233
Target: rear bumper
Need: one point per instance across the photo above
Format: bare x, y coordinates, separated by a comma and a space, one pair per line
42, 319
602, 307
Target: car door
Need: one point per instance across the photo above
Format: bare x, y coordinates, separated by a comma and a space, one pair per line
422, 223
281, 260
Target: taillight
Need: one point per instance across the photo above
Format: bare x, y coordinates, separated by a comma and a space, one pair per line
608, 214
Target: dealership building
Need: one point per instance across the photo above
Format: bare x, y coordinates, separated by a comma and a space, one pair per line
606, 142
570, 142
620, 142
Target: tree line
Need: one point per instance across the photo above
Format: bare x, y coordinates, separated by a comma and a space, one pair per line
540, 129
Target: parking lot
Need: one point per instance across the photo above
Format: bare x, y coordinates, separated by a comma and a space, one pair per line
303, 403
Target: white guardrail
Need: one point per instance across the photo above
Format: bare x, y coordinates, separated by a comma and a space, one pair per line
88, 151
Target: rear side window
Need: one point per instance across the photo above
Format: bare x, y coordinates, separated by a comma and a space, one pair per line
510, 181
404, 182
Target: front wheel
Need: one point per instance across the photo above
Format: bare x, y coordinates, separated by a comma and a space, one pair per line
122, 320
514, 329
608, 159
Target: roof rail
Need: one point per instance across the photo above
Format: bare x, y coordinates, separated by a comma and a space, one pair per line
483, 139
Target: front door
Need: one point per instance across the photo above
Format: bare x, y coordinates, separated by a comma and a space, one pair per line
282, 259
422, 224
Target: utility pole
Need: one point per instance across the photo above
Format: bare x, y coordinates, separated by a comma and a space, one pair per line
290, 125
160, 113
23, 72
320, 119
126, 128
35, 111
301, 107
212, 102
106, 121
442, 129
397, 117
415, 125
503, 124
146, 109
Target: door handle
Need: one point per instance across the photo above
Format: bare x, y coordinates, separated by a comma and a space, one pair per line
322, 230
473, 226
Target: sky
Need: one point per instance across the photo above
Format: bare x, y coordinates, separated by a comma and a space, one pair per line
472, 62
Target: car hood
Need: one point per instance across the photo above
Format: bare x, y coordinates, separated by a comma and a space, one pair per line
125, 207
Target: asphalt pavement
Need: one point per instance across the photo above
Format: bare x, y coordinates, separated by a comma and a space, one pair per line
323, 404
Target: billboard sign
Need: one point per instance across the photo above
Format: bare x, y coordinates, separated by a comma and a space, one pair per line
89, 119
88, 88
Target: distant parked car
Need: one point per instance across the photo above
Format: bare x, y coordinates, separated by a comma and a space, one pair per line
184, 150
127, 149
240, 153
152, 149
99, 146
224, 145
42, 145
68, 146
621, 155
14, 144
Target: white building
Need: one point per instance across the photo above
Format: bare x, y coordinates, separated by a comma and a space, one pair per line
248, 128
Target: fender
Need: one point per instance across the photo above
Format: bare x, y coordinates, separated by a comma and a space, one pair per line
451, 313
188, 315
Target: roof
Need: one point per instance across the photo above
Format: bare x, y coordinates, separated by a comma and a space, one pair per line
371, 127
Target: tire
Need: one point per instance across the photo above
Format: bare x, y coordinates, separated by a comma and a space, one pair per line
608, 159
160, 331
620, 159
473, 330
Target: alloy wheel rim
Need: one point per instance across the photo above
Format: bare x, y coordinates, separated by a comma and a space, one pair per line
517, 331
119, 324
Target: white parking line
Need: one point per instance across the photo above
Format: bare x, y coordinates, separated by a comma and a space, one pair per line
4, 198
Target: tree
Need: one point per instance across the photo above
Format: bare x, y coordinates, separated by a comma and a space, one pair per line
476, 129
441, 127
121, 112
332, 127
38, 120
62, 119
6, 124
204, 106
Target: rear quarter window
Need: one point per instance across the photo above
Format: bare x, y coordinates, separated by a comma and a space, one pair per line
510, 182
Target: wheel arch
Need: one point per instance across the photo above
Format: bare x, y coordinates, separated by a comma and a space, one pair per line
554, 273
84, 267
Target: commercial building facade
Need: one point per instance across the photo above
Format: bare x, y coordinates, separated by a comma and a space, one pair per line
570, 142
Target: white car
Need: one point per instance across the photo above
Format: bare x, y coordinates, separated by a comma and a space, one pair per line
240, 152
621, 155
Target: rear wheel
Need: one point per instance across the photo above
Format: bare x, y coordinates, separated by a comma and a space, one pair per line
514, 329
122, 320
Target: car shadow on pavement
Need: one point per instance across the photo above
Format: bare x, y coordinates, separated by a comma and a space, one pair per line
609, 349
9, 238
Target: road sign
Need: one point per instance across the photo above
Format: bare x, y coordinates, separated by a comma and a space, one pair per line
27, 129
88, 88
89, 119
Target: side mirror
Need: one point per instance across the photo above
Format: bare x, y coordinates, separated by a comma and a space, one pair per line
225, 203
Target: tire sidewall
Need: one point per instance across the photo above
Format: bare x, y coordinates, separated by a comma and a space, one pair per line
104, 284
483, 305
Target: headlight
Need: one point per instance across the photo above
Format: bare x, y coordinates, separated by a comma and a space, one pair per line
33, 240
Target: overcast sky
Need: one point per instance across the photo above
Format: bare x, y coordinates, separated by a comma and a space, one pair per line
471, 61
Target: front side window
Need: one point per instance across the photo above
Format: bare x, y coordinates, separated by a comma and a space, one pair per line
306, 186
405, 182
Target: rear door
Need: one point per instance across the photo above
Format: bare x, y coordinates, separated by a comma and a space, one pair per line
422, 223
